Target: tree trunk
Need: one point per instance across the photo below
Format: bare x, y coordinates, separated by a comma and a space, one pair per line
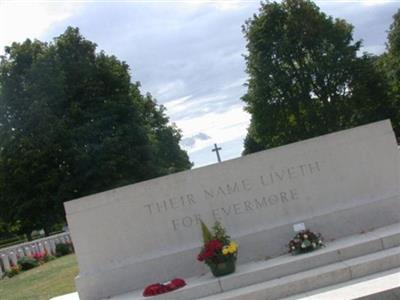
46, 230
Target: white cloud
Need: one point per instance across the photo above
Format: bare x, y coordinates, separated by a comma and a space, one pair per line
362, 2
221, 127
237, 83
168, 88
177, 105
376, 2
230, 5
219, 4
20, 20
186, 107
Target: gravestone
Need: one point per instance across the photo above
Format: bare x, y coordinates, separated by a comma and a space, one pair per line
338, 184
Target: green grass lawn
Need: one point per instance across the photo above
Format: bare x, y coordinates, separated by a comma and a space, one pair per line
42, 283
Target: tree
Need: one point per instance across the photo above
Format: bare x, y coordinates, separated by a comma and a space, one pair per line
168, 155
305, 78
73, 124
389, 62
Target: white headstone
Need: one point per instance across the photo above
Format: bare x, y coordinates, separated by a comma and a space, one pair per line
6, 262
20, 252
40, 247
28, 251
67, 238
338, 184
13, 258
53, 246
48, 248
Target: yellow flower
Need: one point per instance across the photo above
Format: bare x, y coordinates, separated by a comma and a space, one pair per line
229, 249
232, 248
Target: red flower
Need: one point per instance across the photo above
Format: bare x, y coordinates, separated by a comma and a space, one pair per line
210, 250
176, 284
154, 289
39, 256
200, 257
214, 245
158, 288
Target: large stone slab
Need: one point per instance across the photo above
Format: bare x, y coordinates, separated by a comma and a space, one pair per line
341, 184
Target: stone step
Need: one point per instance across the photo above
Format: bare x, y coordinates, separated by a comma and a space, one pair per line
339, 261
316, 278
383, 285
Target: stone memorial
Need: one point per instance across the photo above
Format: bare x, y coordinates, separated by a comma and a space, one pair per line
13, 258
341, 184
6, 262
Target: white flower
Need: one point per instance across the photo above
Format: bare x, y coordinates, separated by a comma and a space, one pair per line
303, 246
314, 245
293, 248
305, 236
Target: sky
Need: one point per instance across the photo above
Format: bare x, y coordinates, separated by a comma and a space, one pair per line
187, 54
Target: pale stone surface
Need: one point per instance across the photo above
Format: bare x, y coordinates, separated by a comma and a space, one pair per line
20, 252
257, 279
13, 258
342, 183
309, 280
339, 250
30, 244
28, 251
52, 246
5, 261
40, 247
378, 262
377, 286
71, 296
48, 248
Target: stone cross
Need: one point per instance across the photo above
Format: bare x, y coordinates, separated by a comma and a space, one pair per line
216, 149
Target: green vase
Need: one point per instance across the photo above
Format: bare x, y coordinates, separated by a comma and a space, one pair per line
223, 268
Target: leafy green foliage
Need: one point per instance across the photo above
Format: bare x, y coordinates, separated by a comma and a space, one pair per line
306, 78
220, 233
48, 258
217, 232
27, 263
389, 64
63, 249
14, 270
207, 236
71, 124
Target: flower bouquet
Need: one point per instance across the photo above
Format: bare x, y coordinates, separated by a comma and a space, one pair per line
305, 241
218, 252
159, 288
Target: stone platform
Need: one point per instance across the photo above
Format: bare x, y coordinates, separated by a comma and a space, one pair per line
340, 261
344, 267
380, 286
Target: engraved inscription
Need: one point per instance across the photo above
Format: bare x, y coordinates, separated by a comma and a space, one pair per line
227, 195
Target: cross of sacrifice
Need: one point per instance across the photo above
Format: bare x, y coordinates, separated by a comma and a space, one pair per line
216, 149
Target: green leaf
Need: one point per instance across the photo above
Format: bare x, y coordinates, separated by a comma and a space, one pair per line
207, 236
